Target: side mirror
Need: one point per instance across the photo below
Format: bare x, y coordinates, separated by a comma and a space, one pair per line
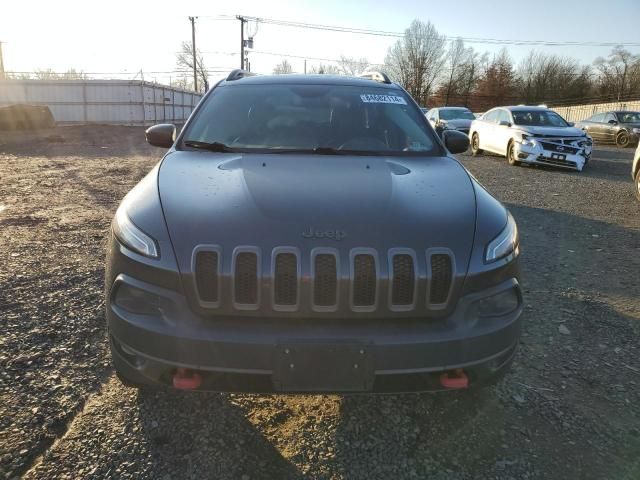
504, 123
455, 141
161, 135
571, 124
612, 122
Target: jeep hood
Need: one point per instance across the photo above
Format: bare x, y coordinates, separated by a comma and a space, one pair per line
271, 200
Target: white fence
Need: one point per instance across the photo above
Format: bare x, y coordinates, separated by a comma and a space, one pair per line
121, 102
575, 113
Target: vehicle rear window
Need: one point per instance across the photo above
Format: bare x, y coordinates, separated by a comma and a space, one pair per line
305, 117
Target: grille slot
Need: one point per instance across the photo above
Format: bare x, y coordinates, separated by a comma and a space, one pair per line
325, 283
206, 271
364, 280
286, 279
441, 276
403, 282
245, 284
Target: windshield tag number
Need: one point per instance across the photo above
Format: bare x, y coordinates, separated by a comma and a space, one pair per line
372, 98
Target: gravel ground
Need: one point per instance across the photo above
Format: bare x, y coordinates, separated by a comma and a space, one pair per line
569, 408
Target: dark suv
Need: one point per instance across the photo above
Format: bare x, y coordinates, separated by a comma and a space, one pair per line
311, 234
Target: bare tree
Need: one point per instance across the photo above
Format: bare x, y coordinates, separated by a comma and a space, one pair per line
49, 74
416, 60
283, 67
618, 72
323, 69
455, 59
351, 66
184, 60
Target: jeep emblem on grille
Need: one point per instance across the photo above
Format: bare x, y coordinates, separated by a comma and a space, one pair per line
331, 234
560, 149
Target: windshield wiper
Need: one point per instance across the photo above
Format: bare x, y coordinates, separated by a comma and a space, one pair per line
212, 147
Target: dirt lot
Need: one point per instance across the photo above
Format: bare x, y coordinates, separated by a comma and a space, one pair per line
569, 409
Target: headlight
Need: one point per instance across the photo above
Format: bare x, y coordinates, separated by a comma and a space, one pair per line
504, 244
131, 236
529, 142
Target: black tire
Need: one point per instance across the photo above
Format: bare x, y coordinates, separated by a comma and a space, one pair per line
475, 145
623, 139
511, 158
637, 185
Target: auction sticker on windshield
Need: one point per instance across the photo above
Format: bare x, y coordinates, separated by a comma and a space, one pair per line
373, 98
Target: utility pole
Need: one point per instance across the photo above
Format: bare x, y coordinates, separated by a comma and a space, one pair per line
193, 49
242, 22
1, 64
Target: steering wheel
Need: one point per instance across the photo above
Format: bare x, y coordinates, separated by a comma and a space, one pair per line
364, 143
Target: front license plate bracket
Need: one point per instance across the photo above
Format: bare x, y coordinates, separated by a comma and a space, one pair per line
330, 367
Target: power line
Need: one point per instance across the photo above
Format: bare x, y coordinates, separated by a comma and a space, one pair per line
384, 33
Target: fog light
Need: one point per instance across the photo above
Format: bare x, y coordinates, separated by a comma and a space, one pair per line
496, 305
138, 301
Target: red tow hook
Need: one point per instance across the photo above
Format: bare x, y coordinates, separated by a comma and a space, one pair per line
454, 379
186, 379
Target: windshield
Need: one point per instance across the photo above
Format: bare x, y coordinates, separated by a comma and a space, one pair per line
628, 117
284, 117
456, 114
538, 118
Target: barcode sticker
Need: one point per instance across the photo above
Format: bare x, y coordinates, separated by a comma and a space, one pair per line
373, 98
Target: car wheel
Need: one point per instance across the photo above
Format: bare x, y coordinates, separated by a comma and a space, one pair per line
511, 156
475, 145
637, 185
622, 139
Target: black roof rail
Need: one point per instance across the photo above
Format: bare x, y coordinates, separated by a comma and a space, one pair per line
376, 76
237, 74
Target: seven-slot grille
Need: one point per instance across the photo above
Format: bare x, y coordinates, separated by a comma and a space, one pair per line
401, 288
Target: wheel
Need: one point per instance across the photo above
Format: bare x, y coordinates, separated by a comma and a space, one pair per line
637, 185
511, 156
622, 139
475, 145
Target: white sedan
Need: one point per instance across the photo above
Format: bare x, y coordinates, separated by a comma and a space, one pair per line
533, 135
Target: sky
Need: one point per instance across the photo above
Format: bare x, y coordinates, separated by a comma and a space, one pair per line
121, 38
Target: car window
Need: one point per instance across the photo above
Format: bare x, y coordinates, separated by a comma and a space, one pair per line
598, 117
629, 117
491, 116
538, 118
305, 117
503, 116
609, 117
455, 114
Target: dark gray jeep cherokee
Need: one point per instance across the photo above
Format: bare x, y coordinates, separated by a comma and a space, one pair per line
311, 234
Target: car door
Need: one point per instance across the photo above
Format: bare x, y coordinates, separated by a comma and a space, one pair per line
486, 129
503, 131
609, 127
